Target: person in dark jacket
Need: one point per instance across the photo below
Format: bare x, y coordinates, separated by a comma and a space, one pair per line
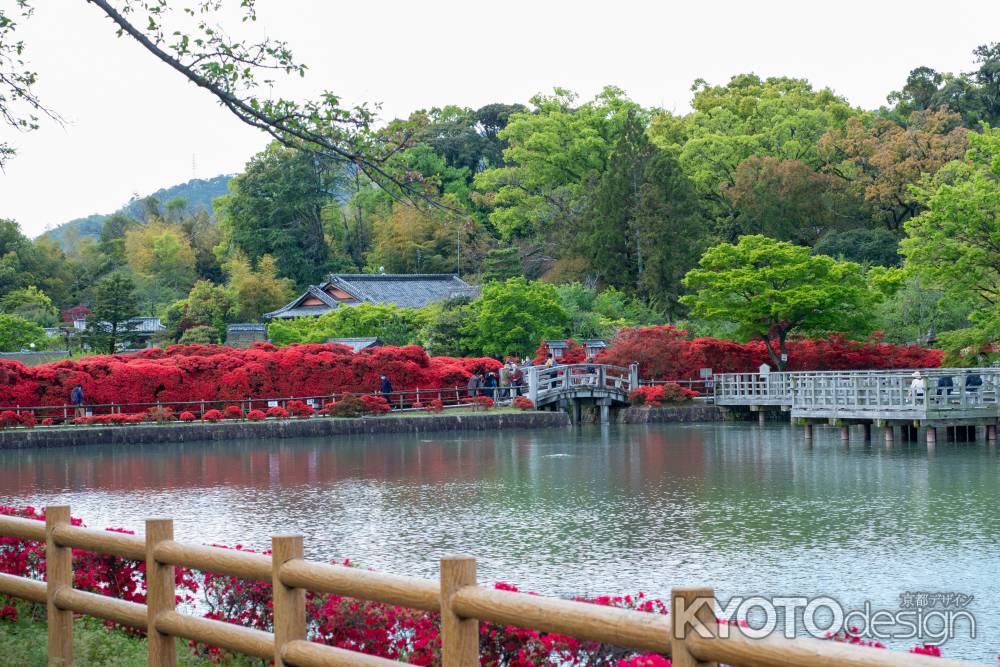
490, 384
944, 385
385, 386
76, 398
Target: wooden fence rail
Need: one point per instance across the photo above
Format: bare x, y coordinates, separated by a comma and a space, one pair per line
456, 596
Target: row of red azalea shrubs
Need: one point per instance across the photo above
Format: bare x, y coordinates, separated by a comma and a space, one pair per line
373, 628
656, 395
669, 353
217, 373
189, 373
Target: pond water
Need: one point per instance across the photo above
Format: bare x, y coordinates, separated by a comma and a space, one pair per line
745, 509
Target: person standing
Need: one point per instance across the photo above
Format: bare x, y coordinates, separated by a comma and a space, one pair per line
505, 381
491, 384
474, 382
76, 399
385, 387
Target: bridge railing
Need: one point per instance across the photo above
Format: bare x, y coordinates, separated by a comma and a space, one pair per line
544, 381
456, 596
773, 388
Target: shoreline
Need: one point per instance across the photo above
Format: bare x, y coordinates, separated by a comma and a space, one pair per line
142, 434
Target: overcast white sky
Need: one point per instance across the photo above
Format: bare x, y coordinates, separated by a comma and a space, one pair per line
135, 126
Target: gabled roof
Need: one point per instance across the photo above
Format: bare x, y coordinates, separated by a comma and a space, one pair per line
412, 290
356, 344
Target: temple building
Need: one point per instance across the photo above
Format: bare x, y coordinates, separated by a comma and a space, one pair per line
413, 290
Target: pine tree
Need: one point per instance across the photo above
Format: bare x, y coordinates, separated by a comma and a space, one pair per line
112, 321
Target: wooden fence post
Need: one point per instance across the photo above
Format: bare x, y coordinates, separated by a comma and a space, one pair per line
289, 603
160, 594
687, 607
459, 636
59, 574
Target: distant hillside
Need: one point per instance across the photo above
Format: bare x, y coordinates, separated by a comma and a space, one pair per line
198, 193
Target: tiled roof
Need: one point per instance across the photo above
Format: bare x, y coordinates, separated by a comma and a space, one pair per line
143, 325
413, 290
246, 326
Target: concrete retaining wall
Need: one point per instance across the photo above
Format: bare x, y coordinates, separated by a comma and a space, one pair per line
306, 428
677, 413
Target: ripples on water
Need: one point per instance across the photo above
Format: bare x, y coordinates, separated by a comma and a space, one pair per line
634, 508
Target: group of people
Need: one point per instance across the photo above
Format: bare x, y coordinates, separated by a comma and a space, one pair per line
504, 384
971, 380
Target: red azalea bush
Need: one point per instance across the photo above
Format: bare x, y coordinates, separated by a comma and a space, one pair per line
668, 353
27, 417
9, 419
277, 412
212, 416
657, 395
48, 421
256, 415
522, 403
233, 412
187, 416
436, 405
349, 405
484, 402
300, 409
376, 405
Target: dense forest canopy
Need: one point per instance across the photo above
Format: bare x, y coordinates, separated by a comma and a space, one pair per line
591, 196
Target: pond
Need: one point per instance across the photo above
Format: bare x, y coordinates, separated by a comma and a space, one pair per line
620, 509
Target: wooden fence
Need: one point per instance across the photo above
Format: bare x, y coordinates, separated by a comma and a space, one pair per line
456, 596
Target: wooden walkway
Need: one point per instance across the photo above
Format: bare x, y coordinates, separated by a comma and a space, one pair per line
947, 396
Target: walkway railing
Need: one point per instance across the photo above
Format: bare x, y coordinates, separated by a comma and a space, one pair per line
938, 392
456, 596
398, 400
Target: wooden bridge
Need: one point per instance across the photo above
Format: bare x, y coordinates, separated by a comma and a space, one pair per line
938, 398
576, 385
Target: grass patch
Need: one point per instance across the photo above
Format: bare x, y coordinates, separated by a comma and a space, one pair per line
23, 642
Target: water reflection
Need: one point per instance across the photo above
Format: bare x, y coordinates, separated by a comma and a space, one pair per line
620, 509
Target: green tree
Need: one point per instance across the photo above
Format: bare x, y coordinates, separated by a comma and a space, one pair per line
771, 289
202, 334
953, 245
501, 264
865, 246
513, 316
670, 229
392, 325
111, 323
17, 333
257, 290
32, 304
450, 329
275, 208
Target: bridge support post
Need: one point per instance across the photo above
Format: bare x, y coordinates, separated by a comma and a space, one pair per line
633, 377
888, 434
605, 413
991, 433
761, 417
808, 432
533, 385
868, 432
931, 436
845, 434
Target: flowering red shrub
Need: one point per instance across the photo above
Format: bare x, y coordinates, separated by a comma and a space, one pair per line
233, 412
523, 403
8, 613
256, 415
375, 405
277, 412
668, 353
211, 416
436, 405
300, 409
348, 406
418, 406
48, 421
9, 419
187, 416
656, 395
27, 418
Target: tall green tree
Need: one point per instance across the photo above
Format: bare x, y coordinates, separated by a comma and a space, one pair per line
771, 289
17, 333
32, 304
955, 244
513, 316
275, 208
111, 323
